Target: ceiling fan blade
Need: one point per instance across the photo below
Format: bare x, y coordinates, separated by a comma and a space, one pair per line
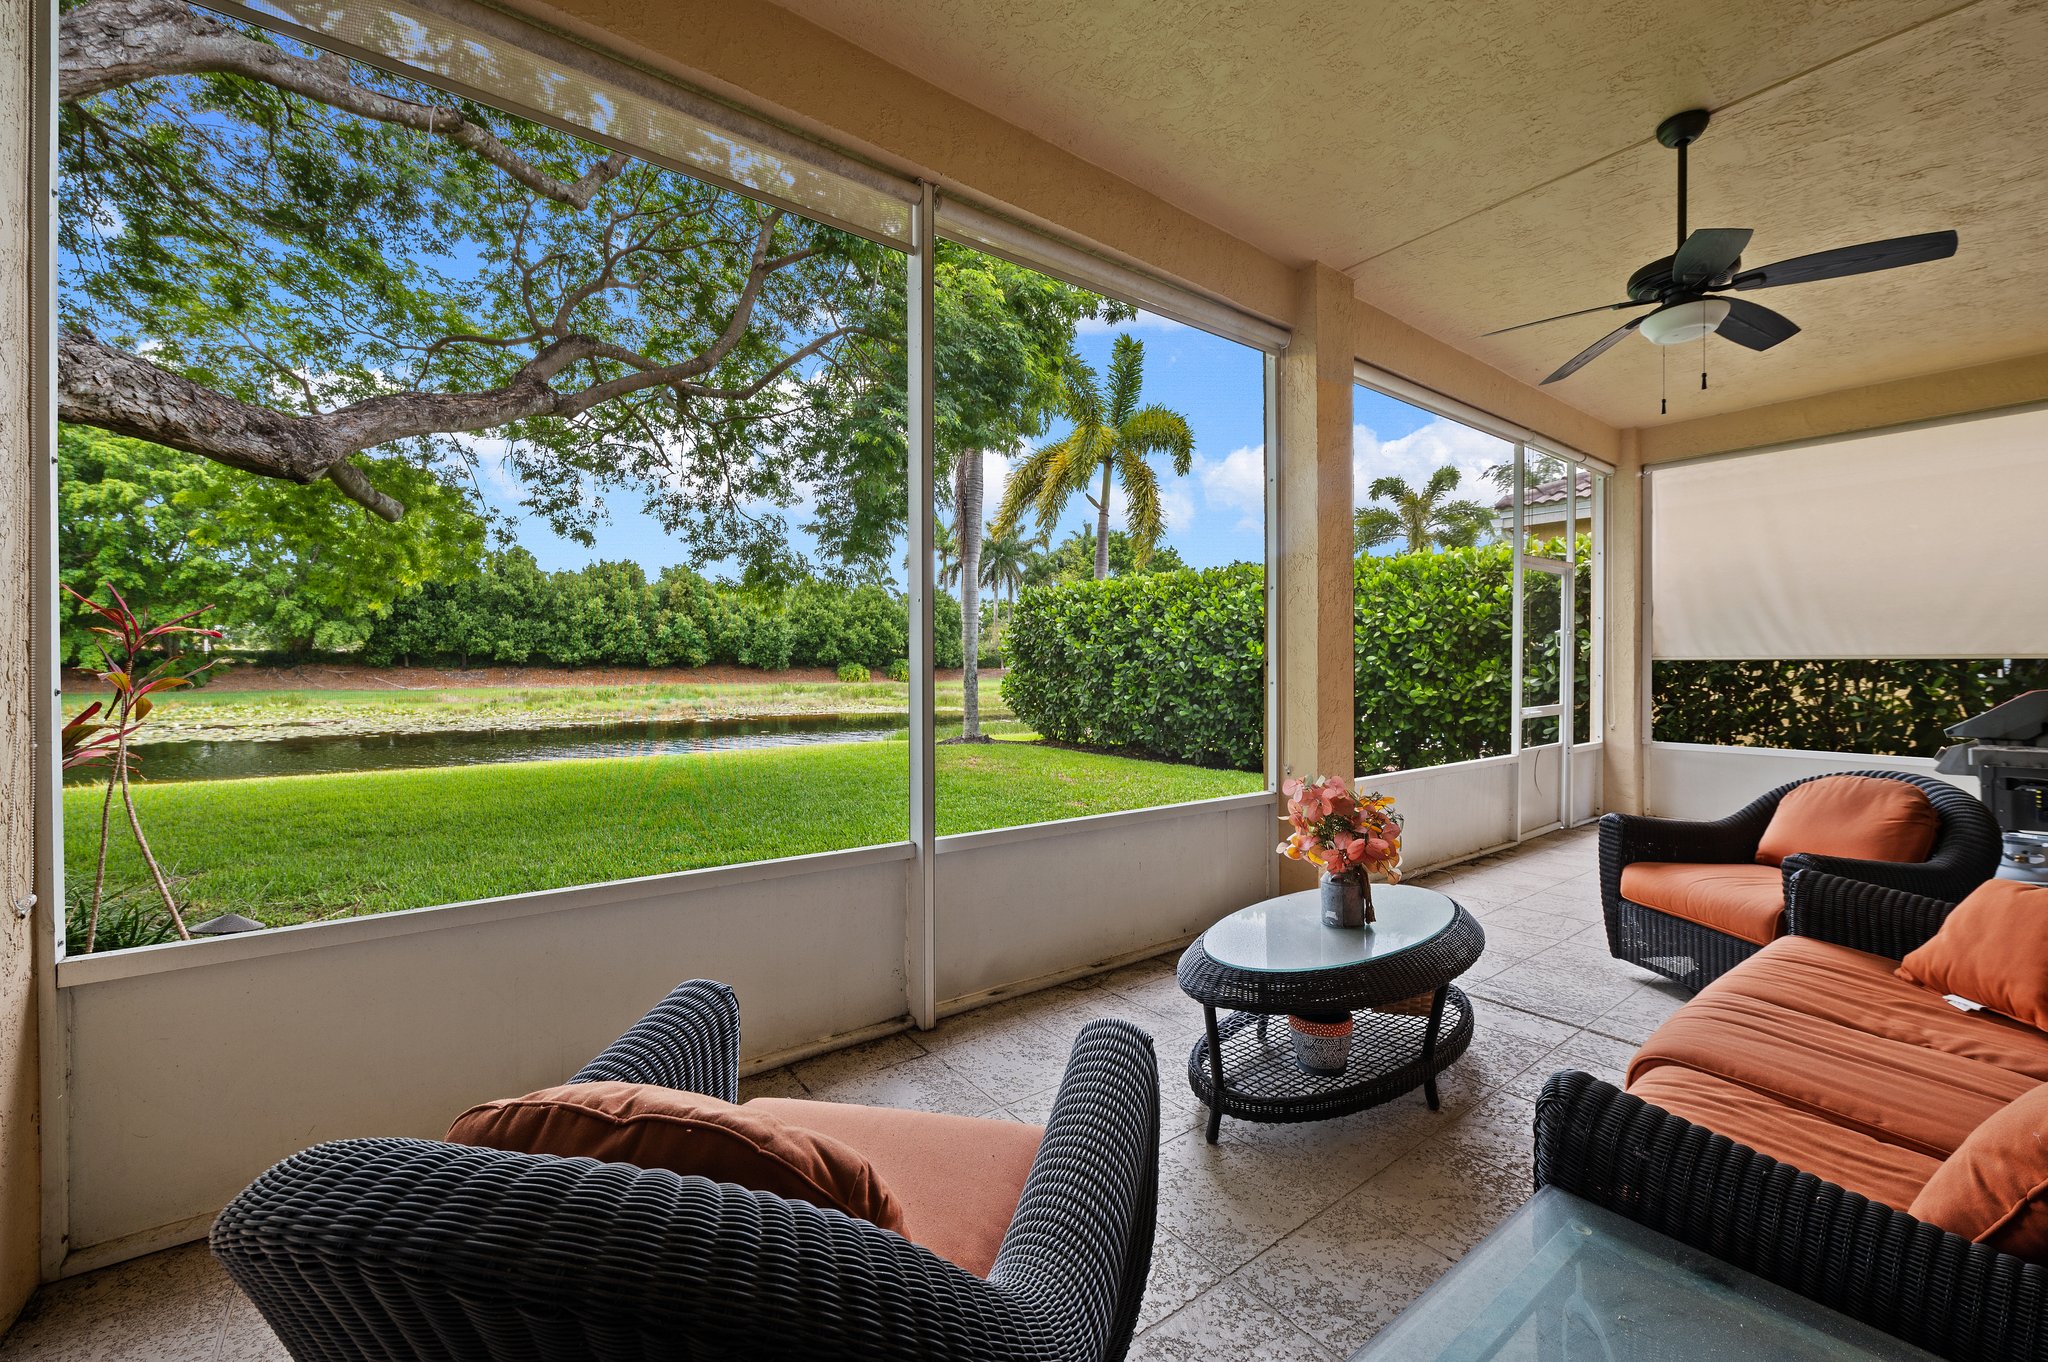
1595, 350
1708, 254
1582, 312
1754, 325
1847, 260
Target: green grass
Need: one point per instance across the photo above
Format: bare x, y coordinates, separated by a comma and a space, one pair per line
297, 848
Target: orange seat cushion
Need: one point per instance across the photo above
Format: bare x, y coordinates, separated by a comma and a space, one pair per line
1742, 900
1992, 949
958, 1177
1833, 1033
1859, 818
1886, 1173
1994, 1190
685, 1132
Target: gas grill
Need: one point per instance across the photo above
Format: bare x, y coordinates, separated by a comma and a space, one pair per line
2006, 747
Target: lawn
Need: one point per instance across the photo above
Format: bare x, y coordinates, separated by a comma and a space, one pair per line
297, 848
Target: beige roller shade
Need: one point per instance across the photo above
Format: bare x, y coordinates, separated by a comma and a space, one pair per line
1925, 541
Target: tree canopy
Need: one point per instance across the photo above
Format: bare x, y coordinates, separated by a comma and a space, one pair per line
1425, 517
305, 268
292, 565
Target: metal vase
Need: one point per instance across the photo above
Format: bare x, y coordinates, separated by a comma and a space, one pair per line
1347, 901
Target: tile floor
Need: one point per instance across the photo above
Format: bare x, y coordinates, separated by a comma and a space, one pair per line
1281, 1242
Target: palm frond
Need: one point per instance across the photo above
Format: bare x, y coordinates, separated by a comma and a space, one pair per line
1126, 377
1141, 490
1160, 430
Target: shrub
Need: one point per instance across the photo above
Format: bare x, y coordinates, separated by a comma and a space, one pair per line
1171, 664
852, 671
1889, 708
899, 670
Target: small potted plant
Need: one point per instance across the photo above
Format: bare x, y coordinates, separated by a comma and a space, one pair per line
1350, 838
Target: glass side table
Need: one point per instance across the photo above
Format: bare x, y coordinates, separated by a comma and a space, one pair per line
1277, 958
1563, 1280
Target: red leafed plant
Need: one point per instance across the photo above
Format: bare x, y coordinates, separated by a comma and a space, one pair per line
141, 660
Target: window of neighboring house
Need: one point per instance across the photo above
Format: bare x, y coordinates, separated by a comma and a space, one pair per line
548, 502
1101, 538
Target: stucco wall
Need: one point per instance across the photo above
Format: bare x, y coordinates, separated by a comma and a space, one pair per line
1957, 392
20, 1185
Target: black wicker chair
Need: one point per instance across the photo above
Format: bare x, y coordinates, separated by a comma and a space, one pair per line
416, 1249
1965, 855
1920, 1283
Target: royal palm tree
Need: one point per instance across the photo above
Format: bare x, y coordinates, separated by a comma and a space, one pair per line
1427, 516
1112, 438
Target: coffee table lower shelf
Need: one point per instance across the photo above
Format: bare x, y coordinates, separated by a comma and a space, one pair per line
1392, 1053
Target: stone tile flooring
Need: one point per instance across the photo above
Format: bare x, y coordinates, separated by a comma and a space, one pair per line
1281, 1242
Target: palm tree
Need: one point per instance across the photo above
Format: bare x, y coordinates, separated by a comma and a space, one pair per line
1372, 526
1112, 436
1427, 517
1005, 556
947, 545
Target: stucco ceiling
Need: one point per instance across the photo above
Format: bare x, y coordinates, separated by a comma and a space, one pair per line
1477, 165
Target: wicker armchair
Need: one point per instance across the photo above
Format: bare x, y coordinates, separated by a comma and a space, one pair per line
1965, 854
416, 1249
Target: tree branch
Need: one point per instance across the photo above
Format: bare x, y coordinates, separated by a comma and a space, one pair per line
105, 44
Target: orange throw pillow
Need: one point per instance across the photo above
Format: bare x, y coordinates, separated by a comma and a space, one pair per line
1994, 1188
1992, 949
684, 1132
1858, 818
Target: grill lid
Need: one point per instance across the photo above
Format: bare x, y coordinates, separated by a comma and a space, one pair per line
2022, 721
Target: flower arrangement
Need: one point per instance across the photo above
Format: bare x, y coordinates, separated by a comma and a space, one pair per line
1347, 836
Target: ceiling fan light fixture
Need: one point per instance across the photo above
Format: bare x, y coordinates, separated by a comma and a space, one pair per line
1685, 321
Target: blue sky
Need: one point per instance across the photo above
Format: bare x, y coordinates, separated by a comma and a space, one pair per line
1215, 515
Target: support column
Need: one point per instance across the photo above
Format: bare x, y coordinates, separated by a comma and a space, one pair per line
1312, 548
22, 205
1628, 664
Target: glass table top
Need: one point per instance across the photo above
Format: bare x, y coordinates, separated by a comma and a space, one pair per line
1287, 935
1563, 1280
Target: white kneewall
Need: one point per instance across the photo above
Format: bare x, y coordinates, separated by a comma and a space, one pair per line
196, 1066
1699, 781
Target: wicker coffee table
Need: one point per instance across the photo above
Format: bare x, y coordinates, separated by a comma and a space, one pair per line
1276, 958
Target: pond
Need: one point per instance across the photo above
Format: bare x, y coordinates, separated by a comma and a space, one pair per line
328, 753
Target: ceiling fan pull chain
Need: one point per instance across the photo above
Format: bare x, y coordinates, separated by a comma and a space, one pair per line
1663, 381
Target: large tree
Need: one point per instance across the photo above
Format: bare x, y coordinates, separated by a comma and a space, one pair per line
283, 567
1113, 437
299, 266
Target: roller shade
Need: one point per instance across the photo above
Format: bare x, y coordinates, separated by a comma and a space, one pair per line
524, 69
1923, 541
1026, 246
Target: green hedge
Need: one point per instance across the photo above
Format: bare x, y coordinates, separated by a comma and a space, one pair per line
511, 612
1171, 664
1890, 708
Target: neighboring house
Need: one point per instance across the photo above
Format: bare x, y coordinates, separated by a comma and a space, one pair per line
1543, 511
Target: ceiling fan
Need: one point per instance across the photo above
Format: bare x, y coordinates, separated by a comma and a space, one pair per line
1682, 286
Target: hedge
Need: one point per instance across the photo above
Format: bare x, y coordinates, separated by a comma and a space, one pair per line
608, 614
1169, 664
1889, 708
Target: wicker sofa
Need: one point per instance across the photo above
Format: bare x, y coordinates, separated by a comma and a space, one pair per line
418, 1249
1680, 1163
1694, 954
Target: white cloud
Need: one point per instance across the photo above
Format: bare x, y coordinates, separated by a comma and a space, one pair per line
1144, 321
1236, 482
1419, 453
1177, 509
